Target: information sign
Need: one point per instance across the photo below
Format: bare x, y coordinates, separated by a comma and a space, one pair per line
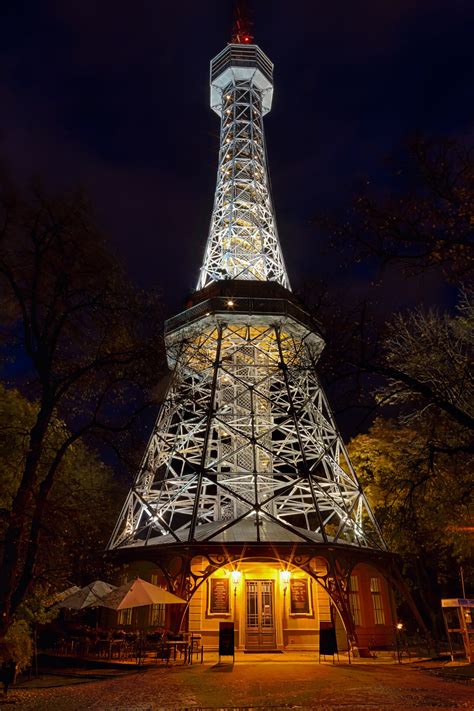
299, 597
327, 638
226, 639
219, 602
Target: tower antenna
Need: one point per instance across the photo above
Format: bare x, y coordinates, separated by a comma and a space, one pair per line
242, 28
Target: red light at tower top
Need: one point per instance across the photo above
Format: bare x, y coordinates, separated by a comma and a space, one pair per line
242, 29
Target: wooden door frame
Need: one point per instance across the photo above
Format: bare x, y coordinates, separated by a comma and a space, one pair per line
274, 628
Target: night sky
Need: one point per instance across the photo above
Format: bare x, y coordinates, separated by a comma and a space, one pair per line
113, 96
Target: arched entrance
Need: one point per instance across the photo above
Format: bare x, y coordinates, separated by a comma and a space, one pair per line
274, 605
278, 596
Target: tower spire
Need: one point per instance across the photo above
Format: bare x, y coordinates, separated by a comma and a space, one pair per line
243, 240
242, 27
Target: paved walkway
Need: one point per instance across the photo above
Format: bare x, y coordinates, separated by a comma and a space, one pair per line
256, 681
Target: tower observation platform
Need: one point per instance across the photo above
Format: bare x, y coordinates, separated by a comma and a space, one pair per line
246, 472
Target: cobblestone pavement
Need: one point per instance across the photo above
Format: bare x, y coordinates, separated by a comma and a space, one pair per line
254, 683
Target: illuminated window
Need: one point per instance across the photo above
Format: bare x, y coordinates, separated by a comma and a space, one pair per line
377, 602
125, 616
354, 599
157, 612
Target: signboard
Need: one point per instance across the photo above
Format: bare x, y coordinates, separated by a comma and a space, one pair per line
327, 638
457, 602
226, 639
219, 600
299, 597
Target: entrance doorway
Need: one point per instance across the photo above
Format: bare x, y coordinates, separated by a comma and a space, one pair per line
260, 631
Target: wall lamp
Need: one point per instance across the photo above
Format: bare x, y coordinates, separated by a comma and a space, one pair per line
235, 575
285, 576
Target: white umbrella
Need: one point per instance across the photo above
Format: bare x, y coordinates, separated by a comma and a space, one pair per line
60, 596
88, 596
136, 593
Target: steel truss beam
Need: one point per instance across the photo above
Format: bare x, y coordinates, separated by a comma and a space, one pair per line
245, 443
243, 241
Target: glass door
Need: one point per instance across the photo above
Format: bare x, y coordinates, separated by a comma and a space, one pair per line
260, 615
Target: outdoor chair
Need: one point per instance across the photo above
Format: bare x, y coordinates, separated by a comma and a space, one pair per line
127, 649
195, 647
139, 650
70, 646
83, 647
61, 646
163, 652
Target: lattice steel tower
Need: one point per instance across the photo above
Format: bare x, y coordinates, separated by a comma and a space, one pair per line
245, 448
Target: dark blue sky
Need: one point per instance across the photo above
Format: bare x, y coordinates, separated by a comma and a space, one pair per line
114, 96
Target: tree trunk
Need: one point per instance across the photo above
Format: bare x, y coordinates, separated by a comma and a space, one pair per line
19, 524
28, 564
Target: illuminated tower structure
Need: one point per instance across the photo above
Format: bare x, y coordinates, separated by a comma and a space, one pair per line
245, 465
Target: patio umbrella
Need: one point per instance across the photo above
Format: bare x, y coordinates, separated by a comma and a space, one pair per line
56, 598
88, 596
136, 593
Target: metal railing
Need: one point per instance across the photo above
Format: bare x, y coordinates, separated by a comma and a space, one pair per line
241, 305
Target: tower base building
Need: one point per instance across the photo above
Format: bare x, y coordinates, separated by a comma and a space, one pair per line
278, 596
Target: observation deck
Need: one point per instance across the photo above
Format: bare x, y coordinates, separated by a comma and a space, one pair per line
241, 62
245, 301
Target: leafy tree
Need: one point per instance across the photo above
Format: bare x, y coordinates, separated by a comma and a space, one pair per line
414, 361
82, 506
19, 644
426, 219
427, 360
415, 367
83, 343
418, 218
80, 513
423, 504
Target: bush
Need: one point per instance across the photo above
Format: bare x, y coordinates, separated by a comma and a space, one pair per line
19, 643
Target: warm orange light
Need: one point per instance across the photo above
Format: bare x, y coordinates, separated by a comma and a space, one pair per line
236, 575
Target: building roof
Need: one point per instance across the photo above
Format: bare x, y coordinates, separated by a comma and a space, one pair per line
243, 531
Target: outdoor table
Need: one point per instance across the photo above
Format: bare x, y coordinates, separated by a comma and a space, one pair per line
180, 644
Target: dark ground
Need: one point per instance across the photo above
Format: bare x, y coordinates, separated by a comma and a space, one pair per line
284, 681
